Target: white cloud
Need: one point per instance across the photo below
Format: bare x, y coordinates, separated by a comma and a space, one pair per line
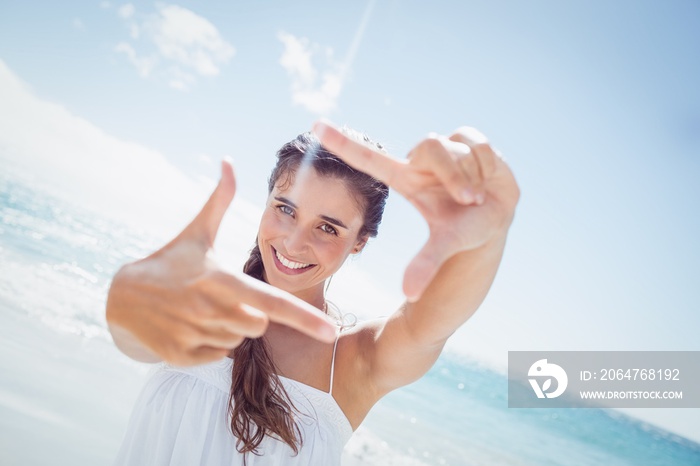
316, 92
144, 65
134, 31
297, 58
190, 40
78, 23
180, 80
177, 44
105, 5
126, 11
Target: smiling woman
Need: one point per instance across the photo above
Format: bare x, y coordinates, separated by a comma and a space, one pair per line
302, 241
287, 386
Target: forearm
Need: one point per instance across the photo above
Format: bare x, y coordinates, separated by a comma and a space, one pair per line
456, 292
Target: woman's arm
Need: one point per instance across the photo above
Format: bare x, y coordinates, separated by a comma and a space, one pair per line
417, 332
467, 194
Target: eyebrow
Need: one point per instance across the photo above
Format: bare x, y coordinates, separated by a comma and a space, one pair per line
328, 219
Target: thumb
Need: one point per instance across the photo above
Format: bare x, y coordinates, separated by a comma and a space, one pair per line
423, 268
206, 224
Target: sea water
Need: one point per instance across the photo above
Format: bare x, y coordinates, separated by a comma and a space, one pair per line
66, 392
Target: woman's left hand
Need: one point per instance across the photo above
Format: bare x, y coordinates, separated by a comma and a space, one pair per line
459, 184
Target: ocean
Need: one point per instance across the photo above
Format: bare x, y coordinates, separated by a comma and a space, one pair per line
66, 392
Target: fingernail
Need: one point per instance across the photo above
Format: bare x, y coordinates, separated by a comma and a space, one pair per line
328, 332
479, 198
467, 196
320, 128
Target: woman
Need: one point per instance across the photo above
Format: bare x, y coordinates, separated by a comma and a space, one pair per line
295, 395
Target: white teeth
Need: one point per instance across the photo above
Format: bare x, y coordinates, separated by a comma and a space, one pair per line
289, 264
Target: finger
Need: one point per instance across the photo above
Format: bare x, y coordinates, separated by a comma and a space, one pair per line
206, 224
484, 154
249, 321
278, 305
212, 311
220, 338
423, 268
452, 163
359, 156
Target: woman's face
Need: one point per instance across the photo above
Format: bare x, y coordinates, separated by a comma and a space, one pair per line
308, 229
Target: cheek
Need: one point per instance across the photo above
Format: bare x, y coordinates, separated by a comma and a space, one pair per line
331, 252
269, 225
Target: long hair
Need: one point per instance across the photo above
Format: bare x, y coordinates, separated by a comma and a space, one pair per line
258, 403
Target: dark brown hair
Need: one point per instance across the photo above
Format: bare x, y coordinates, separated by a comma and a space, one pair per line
258, 403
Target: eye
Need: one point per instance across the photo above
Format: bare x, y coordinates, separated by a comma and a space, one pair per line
329, 229
285, 209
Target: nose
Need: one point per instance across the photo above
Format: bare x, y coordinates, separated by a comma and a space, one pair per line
296, 242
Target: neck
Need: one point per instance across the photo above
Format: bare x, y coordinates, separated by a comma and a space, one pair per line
313, 296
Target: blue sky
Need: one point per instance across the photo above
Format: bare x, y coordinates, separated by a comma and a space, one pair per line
595, 105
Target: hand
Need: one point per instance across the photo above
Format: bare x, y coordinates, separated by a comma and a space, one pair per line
460, 185
183, 308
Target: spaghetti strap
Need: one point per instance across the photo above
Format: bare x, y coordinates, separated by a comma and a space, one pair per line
335, 345
346, 321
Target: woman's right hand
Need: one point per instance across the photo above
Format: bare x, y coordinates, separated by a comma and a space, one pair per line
178, 305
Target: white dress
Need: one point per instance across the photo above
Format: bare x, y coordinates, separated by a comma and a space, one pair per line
181, 418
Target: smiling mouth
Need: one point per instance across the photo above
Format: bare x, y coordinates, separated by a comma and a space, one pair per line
288, 266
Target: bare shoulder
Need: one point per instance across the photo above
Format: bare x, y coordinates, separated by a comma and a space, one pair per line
365, 328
